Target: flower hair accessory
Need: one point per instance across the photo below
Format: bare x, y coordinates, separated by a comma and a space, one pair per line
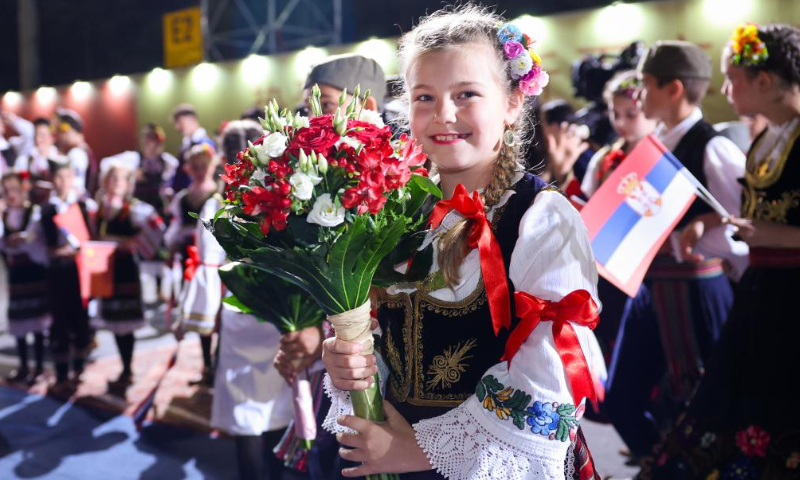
629, 87
748, 49
526, 65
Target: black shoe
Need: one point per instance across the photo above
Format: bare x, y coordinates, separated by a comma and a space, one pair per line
124, 380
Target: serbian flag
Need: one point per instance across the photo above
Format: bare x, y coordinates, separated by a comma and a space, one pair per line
634, 211
96, 270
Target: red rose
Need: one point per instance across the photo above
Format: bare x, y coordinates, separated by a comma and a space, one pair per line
318, 138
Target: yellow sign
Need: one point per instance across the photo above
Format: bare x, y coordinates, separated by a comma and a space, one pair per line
183, 38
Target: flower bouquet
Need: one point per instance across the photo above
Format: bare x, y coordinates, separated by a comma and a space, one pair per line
321, 203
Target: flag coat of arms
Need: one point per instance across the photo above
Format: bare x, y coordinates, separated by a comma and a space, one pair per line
634, 211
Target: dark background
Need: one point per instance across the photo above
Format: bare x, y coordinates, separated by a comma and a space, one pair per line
91, 39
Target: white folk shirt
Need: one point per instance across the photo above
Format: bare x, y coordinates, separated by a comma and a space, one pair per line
723, 164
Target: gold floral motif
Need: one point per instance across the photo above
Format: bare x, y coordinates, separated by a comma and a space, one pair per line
776, 210
446, 369
761, 177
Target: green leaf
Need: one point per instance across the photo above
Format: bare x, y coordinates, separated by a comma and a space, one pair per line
565, 409
284, 305
562, 433
480, 391
236, 305
518, 419
426, 184
492, 383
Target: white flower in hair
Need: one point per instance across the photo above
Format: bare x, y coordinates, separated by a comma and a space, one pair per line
521, 65
325, 212
302, 186
372, 117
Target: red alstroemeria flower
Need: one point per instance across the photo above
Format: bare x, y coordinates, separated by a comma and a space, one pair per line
753, 441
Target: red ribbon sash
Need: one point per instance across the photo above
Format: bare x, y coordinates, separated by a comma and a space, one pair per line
481, 236
192, 263
577, 307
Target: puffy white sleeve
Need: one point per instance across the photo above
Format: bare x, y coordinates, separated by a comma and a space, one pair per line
79, 160
522, 420
151, 229
201, 297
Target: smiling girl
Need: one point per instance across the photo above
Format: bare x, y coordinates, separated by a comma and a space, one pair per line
472, 392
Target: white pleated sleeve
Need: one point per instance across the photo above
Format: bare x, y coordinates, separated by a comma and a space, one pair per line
480, 439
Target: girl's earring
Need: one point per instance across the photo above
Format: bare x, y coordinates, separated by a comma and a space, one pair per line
508, 136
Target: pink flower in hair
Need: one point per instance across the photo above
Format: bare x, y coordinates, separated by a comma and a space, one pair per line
513, 49
536, 85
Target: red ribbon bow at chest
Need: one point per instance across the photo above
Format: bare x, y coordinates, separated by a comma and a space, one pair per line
192, 263
577, 307
481, 236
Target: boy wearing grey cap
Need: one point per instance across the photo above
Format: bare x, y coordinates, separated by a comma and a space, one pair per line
678, 313
346, 71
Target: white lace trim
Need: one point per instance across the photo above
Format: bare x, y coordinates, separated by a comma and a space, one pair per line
341, 404
460, 448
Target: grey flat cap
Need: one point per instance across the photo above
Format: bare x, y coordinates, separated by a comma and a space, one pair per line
671, 59
347, 71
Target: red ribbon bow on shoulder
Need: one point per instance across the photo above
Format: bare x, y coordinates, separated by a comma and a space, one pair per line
577, 307
481, 236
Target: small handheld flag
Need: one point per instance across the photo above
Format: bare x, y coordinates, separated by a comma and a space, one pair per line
636, 208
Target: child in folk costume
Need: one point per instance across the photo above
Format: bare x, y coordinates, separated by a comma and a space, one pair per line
22, 246
69, 335
466, 399
72, 143
41, 161
156, 168
743, 420
137, 229
201, 161
251, 400
678, 313
628, 121
631, 125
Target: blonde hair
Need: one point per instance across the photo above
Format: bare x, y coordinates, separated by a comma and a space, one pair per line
101, 193
202, 153
455, 27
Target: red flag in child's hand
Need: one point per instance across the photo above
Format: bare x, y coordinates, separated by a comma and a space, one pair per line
96, 270
73, 223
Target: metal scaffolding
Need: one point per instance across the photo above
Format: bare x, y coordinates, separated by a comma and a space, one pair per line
235, 28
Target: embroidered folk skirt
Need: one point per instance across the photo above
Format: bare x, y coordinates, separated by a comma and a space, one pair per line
744, 422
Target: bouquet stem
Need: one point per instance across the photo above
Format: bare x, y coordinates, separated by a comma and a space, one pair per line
354, 326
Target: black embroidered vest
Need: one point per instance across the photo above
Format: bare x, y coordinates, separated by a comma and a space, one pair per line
691, 151
437, 351
774, 194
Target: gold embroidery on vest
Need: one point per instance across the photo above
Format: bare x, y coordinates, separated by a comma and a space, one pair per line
776, 210
447, 368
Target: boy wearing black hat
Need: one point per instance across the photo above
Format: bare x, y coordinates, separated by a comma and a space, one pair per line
676, 318
346, 71
187, 123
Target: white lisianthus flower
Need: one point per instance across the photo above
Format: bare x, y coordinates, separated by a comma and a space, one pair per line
262, 156
302, 186
315, 179
301, 122
372, 117
325, 212
274, 145
349, 141
259, 174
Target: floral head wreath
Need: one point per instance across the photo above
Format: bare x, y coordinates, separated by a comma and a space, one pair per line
628, 87
526, 65
748, 49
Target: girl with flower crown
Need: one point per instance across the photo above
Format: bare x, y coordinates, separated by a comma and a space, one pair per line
743, 421
485, 364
